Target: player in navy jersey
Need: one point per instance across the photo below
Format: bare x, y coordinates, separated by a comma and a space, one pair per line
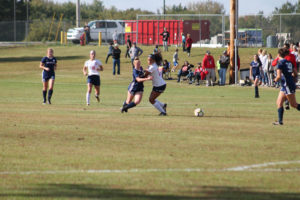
285, 71
136, 87
255, 75
48, 64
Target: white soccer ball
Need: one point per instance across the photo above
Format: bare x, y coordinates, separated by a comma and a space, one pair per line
198, 112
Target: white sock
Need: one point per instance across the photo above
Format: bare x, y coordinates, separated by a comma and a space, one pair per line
160, 103
88, 98
158, 107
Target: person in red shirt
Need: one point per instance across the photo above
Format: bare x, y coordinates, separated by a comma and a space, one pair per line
189, 42
200, 73
209, 64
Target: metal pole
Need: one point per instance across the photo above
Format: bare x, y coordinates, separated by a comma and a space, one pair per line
15, 36
280, 34
200, 30
164, 8
223, 31
78, 13
137, 29
27, 23
236, 41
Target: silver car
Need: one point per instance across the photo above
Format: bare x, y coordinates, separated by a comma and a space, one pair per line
108, 28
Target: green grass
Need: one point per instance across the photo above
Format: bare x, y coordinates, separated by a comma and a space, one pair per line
67, 135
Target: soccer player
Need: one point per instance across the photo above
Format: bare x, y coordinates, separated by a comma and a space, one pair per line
285, 69
136, 87
91, 69
48, 64
159, 85
255, 69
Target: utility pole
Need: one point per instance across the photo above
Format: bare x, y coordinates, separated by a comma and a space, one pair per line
233, 42
164, 7
15, 27
78, 13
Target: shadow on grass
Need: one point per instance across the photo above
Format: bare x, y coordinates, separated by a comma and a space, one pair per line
86, 191
37, 58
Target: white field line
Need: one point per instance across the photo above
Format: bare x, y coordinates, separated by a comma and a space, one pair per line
248, 168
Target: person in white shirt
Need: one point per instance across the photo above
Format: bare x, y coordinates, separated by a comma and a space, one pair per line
91, 69
264, 62
159, 85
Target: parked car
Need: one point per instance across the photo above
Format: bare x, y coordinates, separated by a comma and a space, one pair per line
106, 27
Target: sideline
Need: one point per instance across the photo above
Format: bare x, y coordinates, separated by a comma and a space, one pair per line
247, 168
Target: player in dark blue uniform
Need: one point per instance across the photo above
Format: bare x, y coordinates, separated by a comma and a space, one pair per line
136, 87
255, 69
285, 72
48, 64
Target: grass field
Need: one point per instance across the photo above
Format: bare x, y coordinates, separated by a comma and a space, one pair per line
50, 151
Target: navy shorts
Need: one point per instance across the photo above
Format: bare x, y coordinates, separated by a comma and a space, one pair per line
134, 88
159, 89
288, 89
257, 76
47, 76
94, 80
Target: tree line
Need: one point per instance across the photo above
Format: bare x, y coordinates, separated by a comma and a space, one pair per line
42, 11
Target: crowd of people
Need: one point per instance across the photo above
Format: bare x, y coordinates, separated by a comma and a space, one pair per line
264, 70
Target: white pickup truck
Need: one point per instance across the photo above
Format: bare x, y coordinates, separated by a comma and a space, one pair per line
106, 27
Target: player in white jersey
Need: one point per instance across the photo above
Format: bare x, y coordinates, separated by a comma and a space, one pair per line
91, 69
159, 85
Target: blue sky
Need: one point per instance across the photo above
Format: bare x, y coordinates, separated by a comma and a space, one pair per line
245, 6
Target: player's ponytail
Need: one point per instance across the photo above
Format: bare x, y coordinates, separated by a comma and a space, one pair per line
157, 57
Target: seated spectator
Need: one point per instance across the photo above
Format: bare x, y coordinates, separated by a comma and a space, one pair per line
156, 50
200, 73
166, 69
184, 71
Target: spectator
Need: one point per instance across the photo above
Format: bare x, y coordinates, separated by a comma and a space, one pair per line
209, 65
224, 62
128, 46
166, 66
135, 51
183, 41
87, 33
200, 73
184, 71
156, 49
189, 42
270, 70
116, 58
264, 63
109, 53
175, 60
165, 34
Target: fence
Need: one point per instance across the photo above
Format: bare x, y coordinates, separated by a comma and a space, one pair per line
254, 30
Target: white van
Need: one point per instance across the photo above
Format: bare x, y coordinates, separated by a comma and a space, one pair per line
106, 27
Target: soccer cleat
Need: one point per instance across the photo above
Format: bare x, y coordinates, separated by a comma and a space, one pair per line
44, 103
256, 96
97, 97
163, 114
49, 101
165, 107
123, 109
87, 104
277, 123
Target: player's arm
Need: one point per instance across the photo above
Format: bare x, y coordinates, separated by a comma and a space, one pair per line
251, 77
138, 79
278, 77
100, 68
84, 70
55, 66
42, 66
140, 52
295, 75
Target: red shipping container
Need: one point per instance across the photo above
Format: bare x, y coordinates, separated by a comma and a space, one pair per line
150, 30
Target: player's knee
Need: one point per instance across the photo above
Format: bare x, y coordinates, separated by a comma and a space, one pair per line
151, 100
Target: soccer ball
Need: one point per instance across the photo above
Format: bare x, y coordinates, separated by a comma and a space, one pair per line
198, 112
